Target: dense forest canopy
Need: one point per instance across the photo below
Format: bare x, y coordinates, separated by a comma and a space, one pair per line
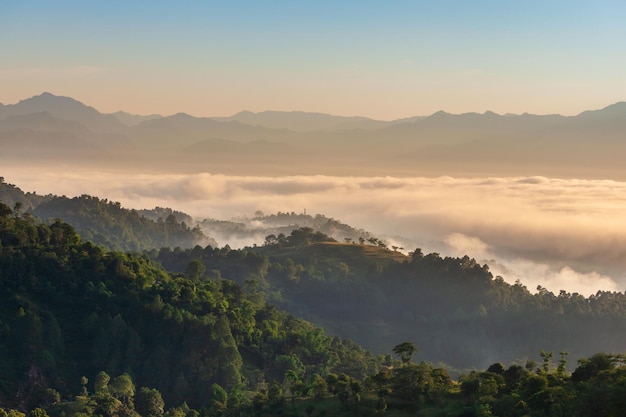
246, 231
86, 331
107, 223
70, 309
453, 307
357, 287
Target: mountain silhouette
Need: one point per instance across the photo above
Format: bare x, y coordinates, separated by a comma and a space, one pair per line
291, 143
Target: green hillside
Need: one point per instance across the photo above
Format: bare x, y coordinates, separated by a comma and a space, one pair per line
257, 228
107, 223
10, 194
453, 308
70, 309
87, 332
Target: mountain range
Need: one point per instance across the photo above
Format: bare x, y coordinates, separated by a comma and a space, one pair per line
50, 129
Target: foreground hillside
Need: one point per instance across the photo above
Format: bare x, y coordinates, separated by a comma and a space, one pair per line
69, 310
86, 332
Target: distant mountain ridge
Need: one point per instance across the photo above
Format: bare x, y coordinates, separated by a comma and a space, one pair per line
133, 119
65, 108
49, 129
303, 121
71, 109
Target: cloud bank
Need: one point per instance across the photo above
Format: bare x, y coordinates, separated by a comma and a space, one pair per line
559, 233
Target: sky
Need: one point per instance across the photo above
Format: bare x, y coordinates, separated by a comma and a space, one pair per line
384, 60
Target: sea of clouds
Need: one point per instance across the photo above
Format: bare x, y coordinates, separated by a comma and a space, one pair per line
558, 233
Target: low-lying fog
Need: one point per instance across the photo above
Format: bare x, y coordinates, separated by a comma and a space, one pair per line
559, 233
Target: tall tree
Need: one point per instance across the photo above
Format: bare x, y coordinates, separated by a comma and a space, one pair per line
149, 403
405, 351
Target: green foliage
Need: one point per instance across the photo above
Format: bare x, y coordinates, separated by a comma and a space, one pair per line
405, 351
122, 387
459, 313
149, 402
107, 224
10, 195
276, 227
71, 309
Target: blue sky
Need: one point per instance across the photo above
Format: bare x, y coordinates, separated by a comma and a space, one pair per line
380, 59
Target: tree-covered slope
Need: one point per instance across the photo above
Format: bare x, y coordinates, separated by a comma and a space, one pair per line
453, 308
246, 231
70, 309
107, 223
10, 194
86, 332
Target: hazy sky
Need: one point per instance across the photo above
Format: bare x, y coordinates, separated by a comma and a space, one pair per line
380, 59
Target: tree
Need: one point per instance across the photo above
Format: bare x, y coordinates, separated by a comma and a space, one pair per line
496, 368
149, 402
561, 370
37, 412
17, 207
83, 383
405, 351
101, 383
219, 398
5, 211
122, 387
546, 359
271, 240
195, 269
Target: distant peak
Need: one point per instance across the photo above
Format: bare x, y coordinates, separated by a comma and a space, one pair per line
182, 115
619, 105
614, 110
48, 95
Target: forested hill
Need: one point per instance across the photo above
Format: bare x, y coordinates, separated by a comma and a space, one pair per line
72, 315
107, 223
452, 308
85, 332
246, 231
11, 194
